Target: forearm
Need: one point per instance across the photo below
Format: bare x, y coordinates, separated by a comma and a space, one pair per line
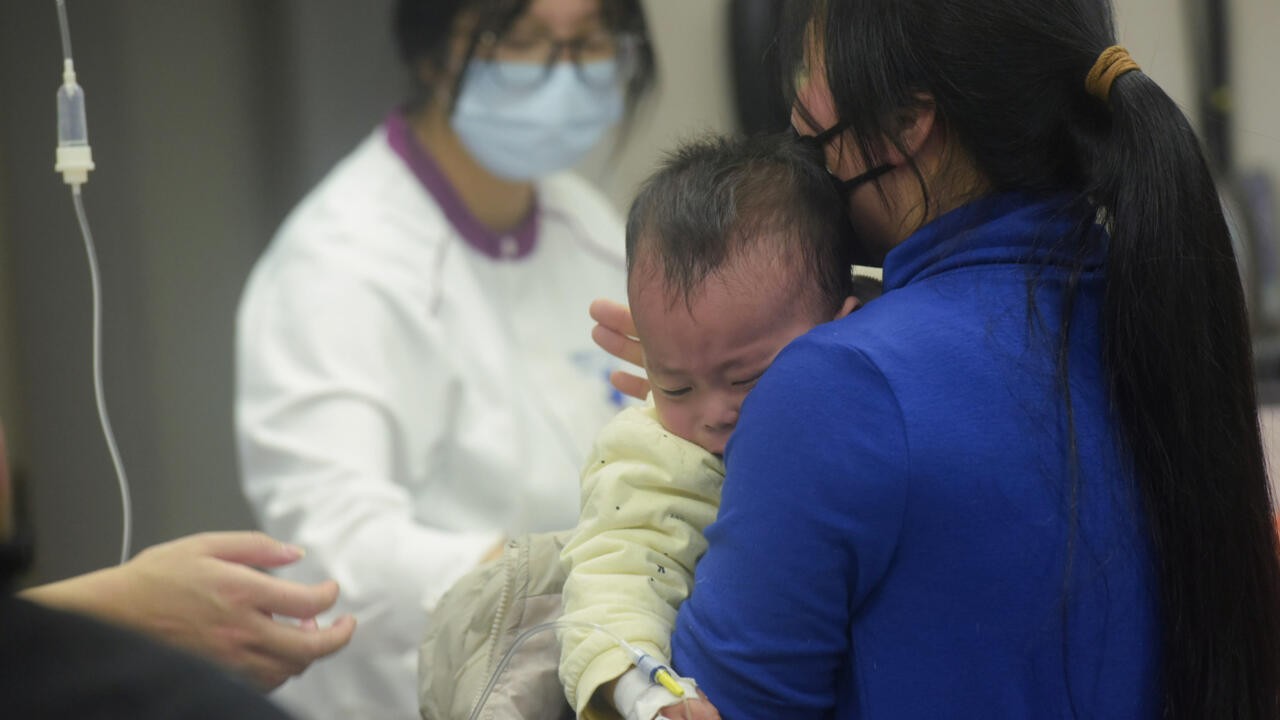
622, 591
99, 594
634, 554
630, 566
631, 558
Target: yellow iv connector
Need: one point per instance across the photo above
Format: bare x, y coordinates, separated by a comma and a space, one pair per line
657, 672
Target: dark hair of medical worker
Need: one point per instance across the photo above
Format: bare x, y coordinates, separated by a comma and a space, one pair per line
714, 197
1007, 80
424, 28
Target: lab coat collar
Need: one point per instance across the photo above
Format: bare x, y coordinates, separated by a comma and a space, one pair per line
513, 245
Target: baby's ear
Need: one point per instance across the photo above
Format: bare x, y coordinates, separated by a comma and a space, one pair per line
851, 303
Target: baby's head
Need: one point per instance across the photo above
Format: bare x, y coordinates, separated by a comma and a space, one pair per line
735, 247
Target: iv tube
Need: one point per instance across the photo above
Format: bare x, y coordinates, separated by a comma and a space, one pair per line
100, 399
66, 30
74, 161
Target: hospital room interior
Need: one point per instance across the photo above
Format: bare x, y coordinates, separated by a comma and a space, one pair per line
210, 121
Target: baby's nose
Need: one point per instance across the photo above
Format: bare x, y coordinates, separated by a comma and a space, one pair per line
723, 418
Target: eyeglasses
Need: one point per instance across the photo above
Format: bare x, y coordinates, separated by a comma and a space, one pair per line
525, 60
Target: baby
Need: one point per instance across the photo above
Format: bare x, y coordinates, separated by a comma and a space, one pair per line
734, 249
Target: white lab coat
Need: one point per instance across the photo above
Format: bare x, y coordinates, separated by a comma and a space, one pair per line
404, 401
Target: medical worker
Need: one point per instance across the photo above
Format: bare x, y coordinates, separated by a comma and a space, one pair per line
416, 376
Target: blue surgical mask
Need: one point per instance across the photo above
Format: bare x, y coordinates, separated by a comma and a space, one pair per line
521, 126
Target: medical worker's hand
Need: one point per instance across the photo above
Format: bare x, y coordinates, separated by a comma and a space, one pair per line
203, 594
615, 333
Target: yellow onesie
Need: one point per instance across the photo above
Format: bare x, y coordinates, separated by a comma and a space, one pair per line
647, 497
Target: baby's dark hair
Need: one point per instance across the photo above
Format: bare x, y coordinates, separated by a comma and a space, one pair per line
717, 197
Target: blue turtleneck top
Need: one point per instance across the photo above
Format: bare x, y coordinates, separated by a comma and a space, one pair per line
906, 530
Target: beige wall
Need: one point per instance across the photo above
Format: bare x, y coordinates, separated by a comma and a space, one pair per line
693, 94
1256, 61
1155, 33
1257, 116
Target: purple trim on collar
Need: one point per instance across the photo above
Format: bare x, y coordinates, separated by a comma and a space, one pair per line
513, 245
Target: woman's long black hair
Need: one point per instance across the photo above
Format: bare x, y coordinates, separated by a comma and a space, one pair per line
1007, 80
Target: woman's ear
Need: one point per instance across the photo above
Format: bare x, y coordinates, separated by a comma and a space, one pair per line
850, 304
915, 127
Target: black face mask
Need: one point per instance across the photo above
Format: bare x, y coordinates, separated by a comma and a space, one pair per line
846, 187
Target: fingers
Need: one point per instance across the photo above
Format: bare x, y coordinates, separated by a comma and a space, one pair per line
618, 345
267, 673
615, 316
628, 384
616, 335
275, 596
273, 658
249, 548
295, 647
278, 651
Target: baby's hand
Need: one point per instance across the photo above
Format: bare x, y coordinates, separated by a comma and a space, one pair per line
696, 708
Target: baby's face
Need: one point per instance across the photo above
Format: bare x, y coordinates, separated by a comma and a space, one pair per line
705, 356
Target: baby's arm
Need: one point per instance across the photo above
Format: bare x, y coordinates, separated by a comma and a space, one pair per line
647, 496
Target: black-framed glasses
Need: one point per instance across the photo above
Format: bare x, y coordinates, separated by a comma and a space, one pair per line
524, 60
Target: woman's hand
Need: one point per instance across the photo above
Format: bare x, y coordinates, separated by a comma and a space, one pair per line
615, 333
203, 594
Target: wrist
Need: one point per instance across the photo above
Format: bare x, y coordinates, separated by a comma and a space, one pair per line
636, 698
91, 594
626, 689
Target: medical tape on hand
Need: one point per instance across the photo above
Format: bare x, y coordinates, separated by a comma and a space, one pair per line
636, 698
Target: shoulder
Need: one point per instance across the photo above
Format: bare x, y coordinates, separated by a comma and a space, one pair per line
570, 193
368, 210
368, 228
825, 387
823, 368
55, 664
371, 178
917, 331
825, 417
569, 199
